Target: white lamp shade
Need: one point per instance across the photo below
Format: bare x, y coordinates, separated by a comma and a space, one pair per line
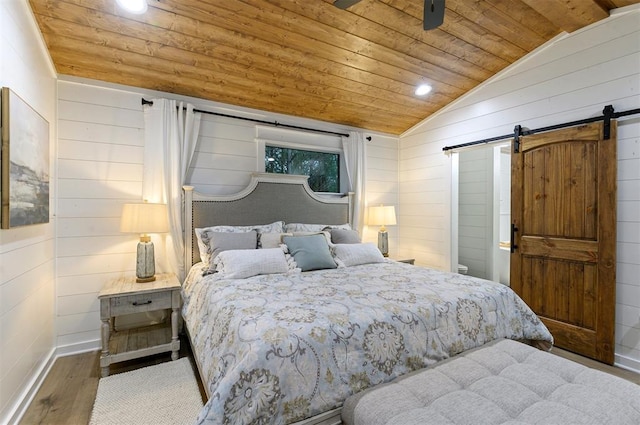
382, 215
144, 218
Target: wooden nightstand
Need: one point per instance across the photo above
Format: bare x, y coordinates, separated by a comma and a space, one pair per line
408, 261
126, 296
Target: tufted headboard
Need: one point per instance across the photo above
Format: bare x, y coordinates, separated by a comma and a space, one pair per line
267, 198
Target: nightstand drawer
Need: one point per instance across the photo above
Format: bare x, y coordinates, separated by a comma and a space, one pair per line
137, 303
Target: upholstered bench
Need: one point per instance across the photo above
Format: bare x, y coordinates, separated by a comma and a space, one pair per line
503, 382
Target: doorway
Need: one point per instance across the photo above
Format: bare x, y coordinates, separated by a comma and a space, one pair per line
484, 216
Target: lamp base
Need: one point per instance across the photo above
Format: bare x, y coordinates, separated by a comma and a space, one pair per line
145, 262
383, 243
145, 279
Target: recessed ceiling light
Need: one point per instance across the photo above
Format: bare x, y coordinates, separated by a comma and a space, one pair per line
423, 89
133, 6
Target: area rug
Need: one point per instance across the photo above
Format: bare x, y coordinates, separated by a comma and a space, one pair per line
166, 393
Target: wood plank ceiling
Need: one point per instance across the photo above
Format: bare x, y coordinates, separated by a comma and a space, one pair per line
357, 67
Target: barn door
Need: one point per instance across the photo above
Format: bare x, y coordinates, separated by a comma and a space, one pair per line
563, 209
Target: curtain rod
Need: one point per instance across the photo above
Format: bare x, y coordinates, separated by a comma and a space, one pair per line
274, 123
608, 114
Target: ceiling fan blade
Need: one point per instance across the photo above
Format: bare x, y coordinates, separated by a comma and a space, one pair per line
343, 4
433, 14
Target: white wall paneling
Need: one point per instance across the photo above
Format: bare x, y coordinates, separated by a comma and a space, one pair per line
27, 254
570, 78
475, 211
100, 162
628, 246
382, 186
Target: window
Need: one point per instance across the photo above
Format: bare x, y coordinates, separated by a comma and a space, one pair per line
323, 168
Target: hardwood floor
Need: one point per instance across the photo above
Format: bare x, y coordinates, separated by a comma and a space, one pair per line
67, 394
617, 371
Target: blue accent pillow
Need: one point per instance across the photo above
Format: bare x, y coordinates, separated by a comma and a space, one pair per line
310, 252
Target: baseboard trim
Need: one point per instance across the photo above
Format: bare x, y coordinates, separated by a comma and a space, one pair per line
627, 363
36, 381
31, 389
79, 348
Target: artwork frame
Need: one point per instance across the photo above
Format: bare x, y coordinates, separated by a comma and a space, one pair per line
24, 167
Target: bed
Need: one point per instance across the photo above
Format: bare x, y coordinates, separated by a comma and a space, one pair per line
291, 346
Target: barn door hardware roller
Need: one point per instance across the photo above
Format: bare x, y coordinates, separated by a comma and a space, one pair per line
517, 132
607, 113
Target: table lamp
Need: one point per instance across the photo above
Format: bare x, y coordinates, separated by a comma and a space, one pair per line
144, 218
382, 216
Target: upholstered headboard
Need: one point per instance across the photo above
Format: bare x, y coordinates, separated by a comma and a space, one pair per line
267, 198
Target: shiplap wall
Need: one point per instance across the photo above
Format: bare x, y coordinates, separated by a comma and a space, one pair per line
475, 211
382, 185
570, 78
100, 160
27, 254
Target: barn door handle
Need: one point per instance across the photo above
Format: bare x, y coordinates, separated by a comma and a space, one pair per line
513, 245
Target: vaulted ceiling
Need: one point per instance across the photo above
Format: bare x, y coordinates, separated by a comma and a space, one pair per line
307, 58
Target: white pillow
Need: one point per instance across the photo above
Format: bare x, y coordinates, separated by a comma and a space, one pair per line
303, 227
243, 263
354, 254
272, 240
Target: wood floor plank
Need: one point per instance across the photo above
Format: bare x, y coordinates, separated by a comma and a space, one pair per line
68, 392
613, 370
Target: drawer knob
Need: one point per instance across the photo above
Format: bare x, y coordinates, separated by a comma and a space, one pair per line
136, 303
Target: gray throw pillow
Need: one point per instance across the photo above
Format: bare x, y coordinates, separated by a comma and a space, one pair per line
341, 236
310, 252
224, 241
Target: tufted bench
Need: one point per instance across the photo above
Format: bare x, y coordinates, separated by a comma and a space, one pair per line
503, 382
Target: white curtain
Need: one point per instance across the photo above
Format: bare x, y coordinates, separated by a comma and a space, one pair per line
171, 134
355, 155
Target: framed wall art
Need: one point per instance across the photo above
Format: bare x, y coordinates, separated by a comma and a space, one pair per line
24, 170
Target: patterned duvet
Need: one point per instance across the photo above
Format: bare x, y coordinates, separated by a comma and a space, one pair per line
276, 349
